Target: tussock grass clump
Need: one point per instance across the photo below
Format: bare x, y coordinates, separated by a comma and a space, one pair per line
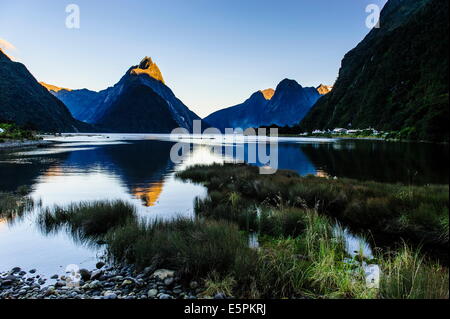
419, 213
216, 284
301, 253
87, 219
228, 206
281, 271
407, 275
311, 265
287, 222
192, 247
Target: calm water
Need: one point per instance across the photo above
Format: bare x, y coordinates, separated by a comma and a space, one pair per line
137, 168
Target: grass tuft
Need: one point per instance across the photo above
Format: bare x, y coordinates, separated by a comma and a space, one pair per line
407, 275
87, 219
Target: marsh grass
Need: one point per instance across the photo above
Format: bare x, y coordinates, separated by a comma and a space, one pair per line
87, 220
231, 207
306, 261
311, 265
408, 275
419, 213
192, 247
302, 255
283, 222
217, 284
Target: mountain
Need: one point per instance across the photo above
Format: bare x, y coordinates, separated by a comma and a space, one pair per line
81, 103
324, 89
286, 105
25, 102
140, 102
53, 88
289, 105
242, 116
268, 93
396, 79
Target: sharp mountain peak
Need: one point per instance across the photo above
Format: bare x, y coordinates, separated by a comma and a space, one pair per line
288, 83
148, 67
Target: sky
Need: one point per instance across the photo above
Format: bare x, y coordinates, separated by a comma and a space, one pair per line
212, 53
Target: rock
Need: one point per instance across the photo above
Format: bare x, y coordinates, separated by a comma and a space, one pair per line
168, 281
372, 273
60, 283
7, 282
96, 274
50, 291
22, 291
165, 296
85, 274
93, 285
22, 273
193, 285
152, 293
32, 271
11, 277
127, 282
162, 274
148, 270
54, 277
220, 296
15, 270
100, 265
111, 296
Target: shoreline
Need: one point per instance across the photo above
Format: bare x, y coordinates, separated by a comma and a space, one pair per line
104, 282
16, 144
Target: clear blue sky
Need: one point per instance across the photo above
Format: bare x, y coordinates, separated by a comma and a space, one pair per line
212, 53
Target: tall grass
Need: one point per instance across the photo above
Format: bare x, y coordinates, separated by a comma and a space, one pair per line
87, 219
407, 275
312, 265
301, 255
283, 222
192, 247
419, 213
231, 207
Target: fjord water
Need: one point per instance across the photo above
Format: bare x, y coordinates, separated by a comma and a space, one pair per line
138, 169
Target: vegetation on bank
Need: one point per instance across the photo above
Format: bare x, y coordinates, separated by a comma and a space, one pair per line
16, 133
87, 220
301, 252
239, 193
314, 264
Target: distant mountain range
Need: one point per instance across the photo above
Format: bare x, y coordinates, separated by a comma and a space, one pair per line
25, 102
287, 105
396, 79
140, 102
